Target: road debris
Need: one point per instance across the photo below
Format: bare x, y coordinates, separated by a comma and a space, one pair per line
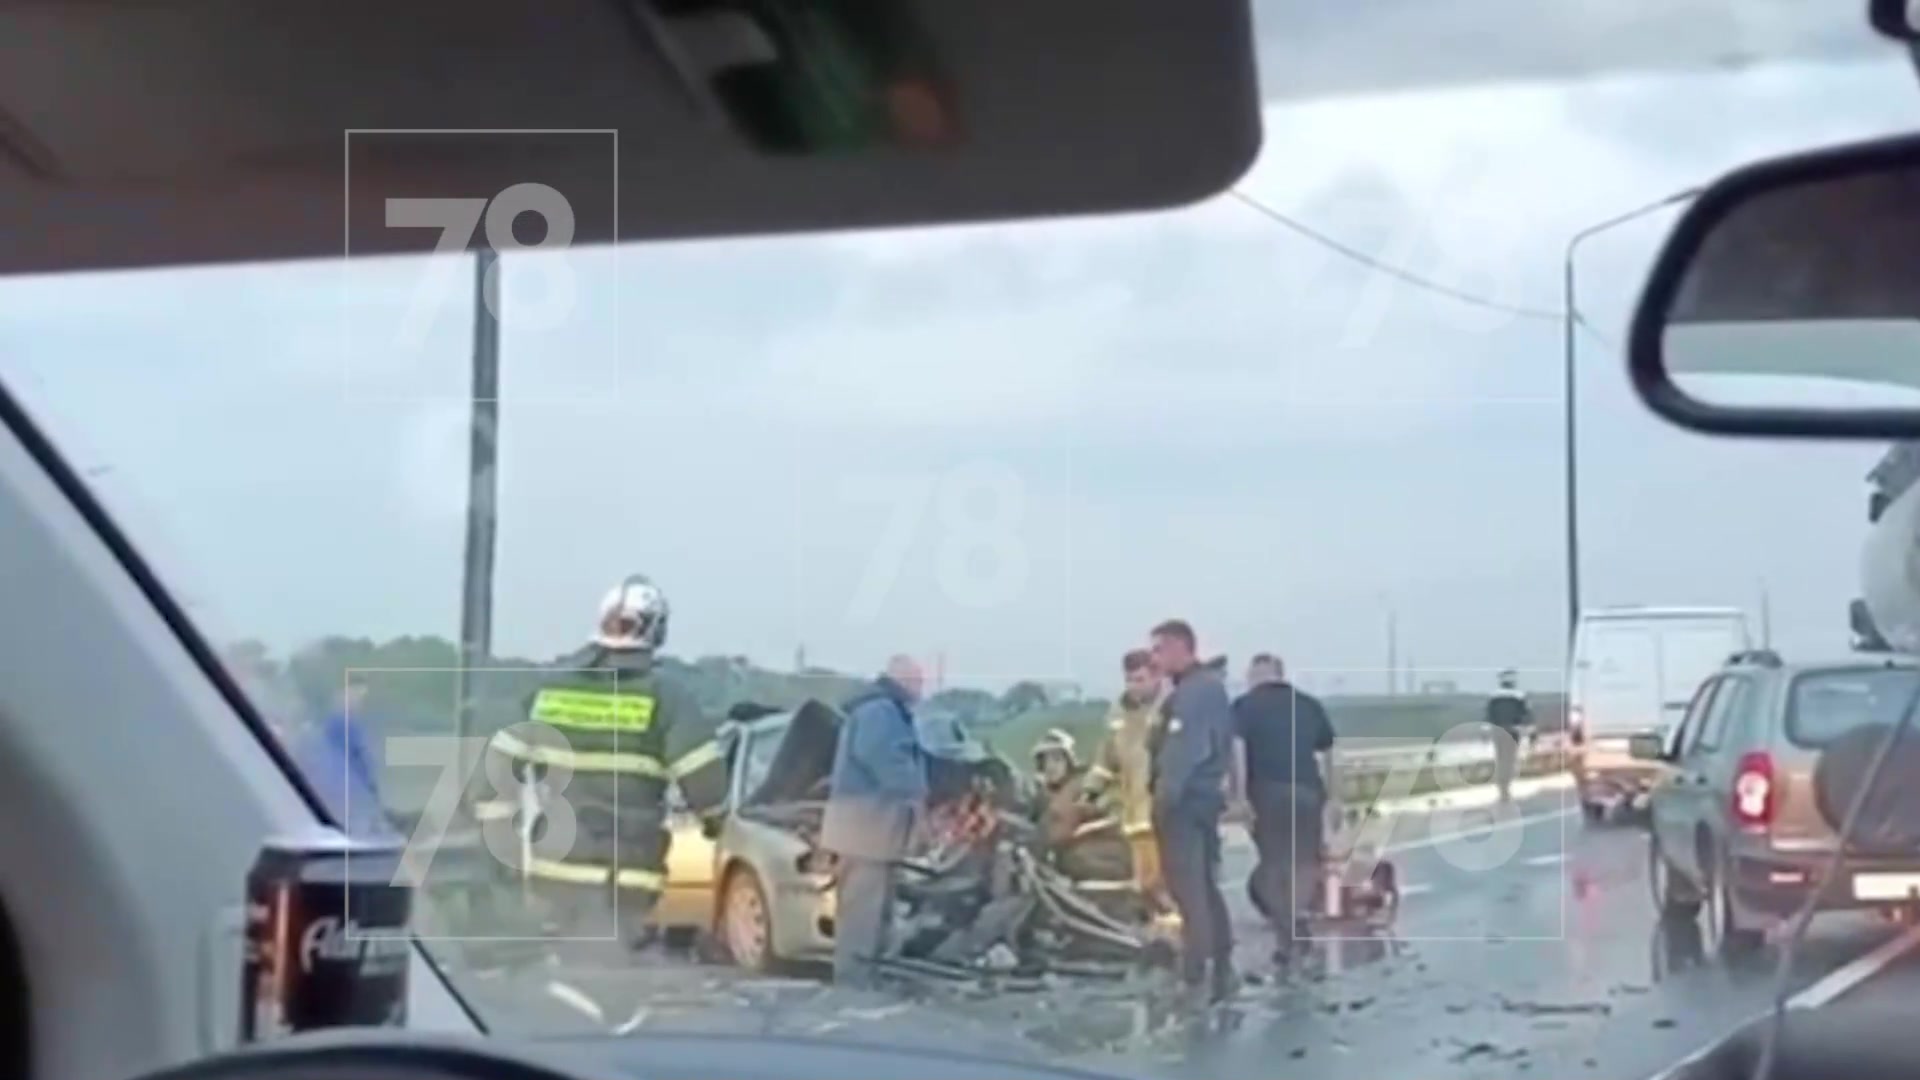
1547, 1008
1482, 1049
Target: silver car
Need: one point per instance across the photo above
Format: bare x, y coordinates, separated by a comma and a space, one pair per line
1755, 780
767, 903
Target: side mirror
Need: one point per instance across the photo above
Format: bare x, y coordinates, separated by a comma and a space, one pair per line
1787, 300
1866, 636
1647, 747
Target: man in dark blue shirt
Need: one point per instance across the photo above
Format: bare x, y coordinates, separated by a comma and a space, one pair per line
1282, 731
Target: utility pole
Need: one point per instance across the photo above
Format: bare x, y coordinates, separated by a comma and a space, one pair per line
1393, 652
1766, 616
483, 449
1569, 346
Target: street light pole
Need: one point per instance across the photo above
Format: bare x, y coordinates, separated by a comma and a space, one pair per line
483, 447
1570, 329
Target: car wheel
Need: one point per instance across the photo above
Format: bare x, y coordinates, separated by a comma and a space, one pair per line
746, 922
1726, 938
1596, 813
1673, 898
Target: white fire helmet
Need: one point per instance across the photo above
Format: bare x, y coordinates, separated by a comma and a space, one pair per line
1055, 741
633, 616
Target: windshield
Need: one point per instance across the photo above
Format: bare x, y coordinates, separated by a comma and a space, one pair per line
756, 760
1827, 705
1323, 417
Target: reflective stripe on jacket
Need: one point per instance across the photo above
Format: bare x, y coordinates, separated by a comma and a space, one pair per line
596, 741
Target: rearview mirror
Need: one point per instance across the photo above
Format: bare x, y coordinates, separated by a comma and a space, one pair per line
1647, 747
1787, 300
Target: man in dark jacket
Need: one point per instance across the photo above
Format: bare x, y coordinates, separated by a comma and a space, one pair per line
1510, 718
879, 789
1189, 778
1282, 731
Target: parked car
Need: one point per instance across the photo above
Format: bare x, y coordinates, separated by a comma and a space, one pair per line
1756, 780
1634, 670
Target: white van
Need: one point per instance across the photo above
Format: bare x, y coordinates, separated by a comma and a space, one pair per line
1634, 671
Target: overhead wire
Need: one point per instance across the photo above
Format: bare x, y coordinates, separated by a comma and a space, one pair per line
1418, 281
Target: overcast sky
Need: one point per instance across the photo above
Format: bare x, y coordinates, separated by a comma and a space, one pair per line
1195, 413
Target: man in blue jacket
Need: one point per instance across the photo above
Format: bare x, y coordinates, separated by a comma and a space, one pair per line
879, 787
1194, 744
340, 762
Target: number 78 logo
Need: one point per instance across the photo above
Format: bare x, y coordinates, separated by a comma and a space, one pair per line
458, 220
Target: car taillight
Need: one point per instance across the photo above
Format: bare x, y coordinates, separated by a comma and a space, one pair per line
1576, 726
1753, 790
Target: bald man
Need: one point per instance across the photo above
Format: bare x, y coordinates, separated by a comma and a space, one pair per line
879, 787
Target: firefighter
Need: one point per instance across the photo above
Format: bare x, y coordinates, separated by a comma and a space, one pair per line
604, 739
1083, 840
1123, 768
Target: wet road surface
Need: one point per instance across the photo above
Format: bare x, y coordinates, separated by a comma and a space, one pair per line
1526, 946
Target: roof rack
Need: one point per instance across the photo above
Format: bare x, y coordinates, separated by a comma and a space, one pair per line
1755, 658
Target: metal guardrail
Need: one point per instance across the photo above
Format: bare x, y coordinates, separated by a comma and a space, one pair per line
1363, 774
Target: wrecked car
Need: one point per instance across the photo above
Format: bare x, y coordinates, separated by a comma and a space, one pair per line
976, 888
975, 892
773, 899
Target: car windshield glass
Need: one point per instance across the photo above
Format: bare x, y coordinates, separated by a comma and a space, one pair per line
1825, 705
762, 744
1359, 424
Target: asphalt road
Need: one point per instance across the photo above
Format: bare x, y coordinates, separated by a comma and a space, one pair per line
1527, 946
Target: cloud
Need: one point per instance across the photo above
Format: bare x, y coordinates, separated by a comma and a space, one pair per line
1214, 415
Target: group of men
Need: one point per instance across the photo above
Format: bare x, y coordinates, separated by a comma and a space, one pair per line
1179, 760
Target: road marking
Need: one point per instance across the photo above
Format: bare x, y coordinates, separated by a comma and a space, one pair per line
1415, 889
1847, 976
1477, 830
1822, 992
578, 999
1554, 859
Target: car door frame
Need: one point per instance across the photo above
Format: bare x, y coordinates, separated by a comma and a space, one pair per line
1705, 771
1672, 805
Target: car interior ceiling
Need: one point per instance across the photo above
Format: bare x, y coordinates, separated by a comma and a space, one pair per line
209, 131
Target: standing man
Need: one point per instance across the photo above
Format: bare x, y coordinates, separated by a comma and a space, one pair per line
1190, 769
1283, 731
339, 760
1124, 768
879, 787
1510, 717
620, 734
